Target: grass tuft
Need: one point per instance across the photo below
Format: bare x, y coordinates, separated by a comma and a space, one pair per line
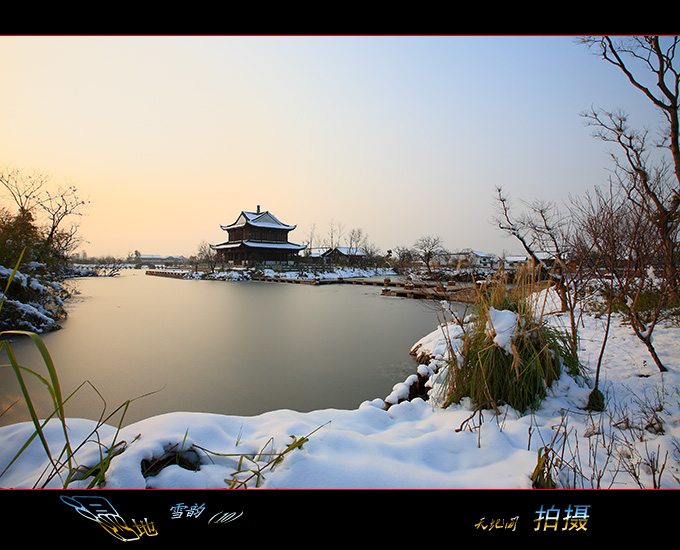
517, 371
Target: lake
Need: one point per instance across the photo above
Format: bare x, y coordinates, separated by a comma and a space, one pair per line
235, 348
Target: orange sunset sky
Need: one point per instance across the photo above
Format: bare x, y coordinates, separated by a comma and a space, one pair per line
169, 137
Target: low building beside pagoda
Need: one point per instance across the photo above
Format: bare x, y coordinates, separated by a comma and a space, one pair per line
257, 238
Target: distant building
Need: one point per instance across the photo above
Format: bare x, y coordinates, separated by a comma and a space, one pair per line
524, 259
482, 259
257, 238
467, 258
343, 255
313, 253
513, 261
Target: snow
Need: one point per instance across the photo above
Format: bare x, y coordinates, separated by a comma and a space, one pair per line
34, 312
410, 444
502, 325
335, 273
23, 279
241, 274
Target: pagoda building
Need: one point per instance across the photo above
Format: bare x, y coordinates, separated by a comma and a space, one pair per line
257, 238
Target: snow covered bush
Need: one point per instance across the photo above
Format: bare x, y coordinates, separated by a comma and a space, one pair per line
508, 353
34, 301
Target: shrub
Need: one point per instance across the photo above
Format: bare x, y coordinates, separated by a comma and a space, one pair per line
509, 353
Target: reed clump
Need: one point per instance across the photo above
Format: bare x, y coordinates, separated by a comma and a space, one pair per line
509, 353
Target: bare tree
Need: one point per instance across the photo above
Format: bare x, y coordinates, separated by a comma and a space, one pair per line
58, 206
544, 232
650, 188
617, 241
108, 266
589, 243
335, 232
636, 229
206, 255
35, 200
310, 238
373, 254
25, 190
649, 64
426, 248
356, 240
404, 258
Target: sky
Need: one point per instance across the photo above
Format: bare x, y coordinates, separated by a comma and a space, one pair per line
401, 136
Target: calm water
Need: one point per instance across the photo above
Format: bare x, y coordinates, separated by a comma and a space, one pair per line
238, 348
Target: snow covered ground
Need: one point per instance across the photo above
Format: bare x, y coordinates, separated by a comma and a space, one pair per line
634, 444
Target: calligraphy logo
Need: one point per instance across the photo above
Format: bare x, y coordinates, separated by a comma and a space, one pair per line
100, 510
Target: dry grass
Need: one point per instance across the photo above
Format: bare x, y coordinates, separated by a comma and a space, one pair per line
518, 375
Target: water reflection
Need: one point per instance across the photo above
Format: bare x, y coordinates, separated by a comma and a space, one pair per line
238, 348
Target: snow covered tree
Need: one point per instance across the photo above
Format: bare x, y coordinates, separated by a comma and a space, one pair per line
34, 232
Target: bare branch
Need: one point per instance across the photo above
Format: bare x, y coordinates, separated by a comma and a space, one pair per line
657, 62
60, 205
25, 191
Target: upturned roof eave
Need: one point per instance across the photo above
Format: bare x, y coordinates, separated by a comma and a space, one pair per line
251, 219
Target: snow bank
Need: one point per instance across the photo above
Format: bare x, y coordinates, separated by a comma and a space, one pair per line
240, 274
335, 273
33, 301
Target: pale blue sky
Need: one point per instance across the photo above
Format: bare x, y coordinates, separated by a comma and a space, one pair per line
170, 137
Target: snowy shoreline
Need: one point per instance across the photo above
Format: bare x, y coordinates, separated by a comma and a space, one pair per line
393, 443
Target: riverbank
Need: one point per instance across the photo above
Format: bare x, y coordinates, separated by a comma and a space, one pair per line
400, 287
411, 444
246, 274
